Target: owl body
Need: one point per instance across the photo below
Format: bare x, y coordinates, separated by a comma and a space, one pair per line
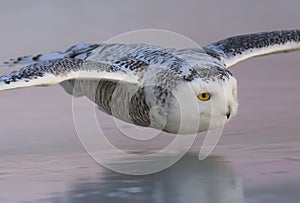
165, 97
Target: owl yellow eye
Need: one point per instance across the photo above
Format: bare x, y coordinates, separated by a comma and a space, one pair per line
204, 96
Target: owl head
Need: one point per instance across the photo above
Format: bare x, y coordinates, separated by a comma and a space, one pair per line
203, 102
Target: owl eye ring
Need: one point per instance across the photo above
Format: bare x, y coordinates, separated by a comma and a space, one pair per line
205, 96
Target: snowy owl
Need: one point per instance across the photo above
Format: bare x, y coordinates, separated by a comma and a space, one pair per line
149, 85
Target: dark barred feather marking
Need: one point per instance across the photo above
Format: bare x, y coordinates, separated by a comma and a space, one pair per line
100, 92
58, 67
161, 58
239, 44
81, 51
139, 109
104, 93
254, 45
208, 74
132, 64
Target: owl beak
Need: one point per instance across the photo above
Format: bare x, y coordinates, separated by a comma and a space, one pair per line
228, 113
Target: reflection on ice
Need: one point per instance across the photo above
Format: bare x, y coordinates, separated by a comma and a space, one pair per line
189, 180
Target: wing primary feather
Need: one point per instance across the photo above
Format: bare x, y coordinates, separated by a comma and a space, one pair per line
238, 48
56, 71
79, 51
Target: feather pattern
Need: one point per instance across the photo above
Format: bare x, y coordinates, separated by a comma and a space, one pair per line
58, 70
235, 49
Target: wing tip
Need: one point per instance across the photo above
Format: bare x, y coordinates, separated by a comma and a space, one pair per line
240, 47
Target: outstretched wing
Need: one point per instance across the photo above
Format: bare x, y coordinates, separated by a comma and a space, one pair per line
235, 49
56, 71
79, 51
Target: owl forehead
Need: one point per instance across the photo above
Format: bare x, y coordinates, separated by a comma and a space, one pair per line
208, 74
213, 82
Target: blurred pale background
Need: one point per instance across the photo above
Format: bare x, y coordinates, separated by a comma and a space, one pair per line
39, 146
